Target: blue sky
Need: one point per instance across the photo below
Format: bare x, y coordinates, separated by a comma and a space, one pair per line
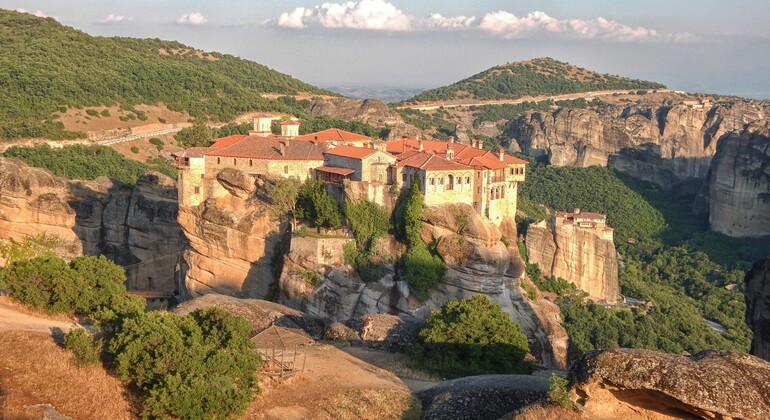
701, 46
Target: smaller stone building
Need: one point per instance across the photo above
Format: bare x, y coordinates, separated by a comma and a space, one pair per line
585, 220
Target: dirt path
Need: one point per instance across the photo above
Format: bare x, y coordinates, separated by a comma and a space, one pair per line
12, 320
398, 364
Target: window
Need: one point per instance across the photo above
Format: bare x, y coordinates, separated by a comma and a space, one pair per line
251, 162
432, 181
235, 162
441, 181
218, 161
403, 177
197, 190
286, 169
201, 176
467, 179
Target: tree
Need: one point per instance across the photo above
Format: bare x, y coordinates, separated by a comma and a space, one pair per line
283, 197
196, 136
316, 206
472, 337
413, 210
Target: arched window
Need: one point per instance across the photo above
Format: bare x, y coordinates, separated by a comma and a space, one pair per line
502, 192
450, 182
251, 162
467, 179
286, 169
218, 161
235, 162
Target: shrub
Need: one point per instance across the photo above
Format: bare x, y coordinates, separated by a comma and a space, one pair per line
134, 149
200, 365
472, 337
105, 113
87, 350
368, 220
157, 142
316, 206
161, 120
92, 112
558, 392
423, 270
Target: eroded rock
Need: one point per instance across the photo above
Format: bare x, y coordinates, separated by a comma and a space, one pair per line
757, 294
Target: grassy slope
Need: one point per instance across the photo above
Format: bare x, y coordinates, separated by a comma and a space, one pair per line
45, 66
542, 76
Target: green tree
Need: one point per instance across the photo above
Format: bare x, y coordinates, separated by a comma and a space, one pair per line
368, 220
283, 197
413, 211
316, 206
196, 136
472, 337
86, 349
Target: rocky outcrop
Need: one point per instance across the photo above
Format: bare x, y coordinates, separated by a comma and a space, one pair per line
481, 397
134, 226
477, 262
737, 188
579, 255
236, 243
667, 145
757, 296
370, 111
643, 384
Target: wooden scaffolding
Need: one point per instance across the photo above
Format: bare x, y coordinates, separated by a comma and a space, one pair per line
283, 351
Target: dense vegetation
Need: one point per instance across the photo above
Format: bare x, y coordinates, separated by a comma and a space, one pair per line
442, 128
369, 222
673, 263
543, 76
472, 337
87, 162
98, 71
200, 365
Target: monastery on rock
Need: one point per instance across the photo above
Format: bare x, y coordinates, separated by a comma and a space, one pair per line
446, 172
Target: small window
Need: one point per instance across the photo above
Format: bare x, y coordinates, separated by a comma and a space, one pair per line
201, 176
197, 190
403, 177
251, 162
218, 161
433, 181
467, 180
286, 169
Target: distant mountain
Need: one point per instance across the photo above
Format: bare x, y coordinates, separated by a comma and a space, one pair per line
542, 76
384, 94
46, 67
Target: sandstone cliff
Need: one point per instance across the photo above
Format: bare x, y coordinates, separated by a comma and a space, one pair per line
580, 256
370, 111
757, 296
134, 226
666, 145
737, 189
477, 263
643, 384
235, 242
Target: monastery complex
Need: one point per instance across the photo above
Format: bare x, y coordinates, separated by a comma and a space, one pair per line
446, 172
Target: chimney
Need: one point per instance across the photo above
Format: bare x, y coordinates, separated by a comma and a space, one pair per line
282, 147
501, 154
577, 210
450, 154
419, 145
451, 139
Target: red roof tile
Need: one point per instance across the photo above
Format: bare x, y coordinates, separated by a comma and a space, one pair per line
333, 134
270, 148
430, 162
351, 152
335, 170
227, 141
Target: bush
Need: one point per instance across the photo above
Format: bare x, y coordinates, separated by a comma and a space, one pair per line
472, 337
92, 112
161, 120
368, 220
200, 365
157, 142
558, 392
134, 149
316, 206
105, 113
423, 270
87, 350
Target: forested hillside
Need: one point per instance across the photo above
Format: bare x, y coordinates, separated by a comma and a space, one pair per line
46, 67
542, 76
670, 260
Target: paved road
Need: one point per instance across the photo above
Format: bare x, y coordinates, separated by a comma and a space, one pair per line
138, 136
585, 95
11, 320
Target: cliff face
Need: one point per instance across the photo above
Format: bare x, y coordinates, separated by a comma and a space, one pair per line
643, 384
757, 296
580, 256
737, 188
370, 111
477, 263
135, 227
235, 242
664, 145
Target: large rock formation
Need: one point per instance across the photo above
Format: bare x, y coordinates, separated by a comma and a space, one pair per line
236, 243
737, 188
315, 279
643, 384
579, 255
757, 294
370, 111
667, 145
134, 226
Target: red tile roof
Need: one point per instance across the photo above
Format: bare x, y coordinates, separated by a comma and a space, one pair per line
334, 134
335, 170
351, 152
227, 141
429, 162
257, 147
192, 152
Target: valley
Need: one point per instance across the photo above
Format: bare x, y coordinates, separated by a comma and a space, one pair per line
555, 218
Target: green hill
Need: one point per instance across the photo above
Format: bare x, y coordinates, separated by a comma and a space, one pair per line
542, 76
46, 67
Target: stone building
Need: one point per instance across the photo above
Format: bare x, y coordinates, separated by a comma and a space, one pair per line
584, 220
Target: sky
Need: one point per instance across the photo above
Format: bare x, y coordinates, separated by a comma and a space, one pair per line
711, 46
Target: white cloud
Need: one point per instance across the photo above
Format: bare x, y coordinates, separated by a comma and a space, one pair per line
365, 14
437, 21
508, 25
113, 18
194, 18
38, 13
